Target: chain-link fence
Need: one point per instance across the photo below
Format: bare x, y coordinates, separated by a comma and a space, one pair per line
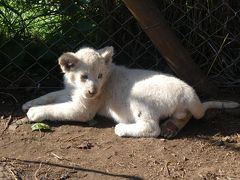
34, 33
210, 32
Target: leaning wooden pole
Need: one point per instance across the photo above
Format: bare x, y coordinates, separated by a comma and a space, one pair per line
154, 25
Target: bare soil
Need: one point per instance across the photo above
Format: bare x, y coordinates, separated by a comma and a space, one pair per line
206, 149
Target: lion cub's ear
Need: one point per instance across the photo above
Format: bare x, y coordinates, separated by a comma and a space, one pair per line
67, 61
107, 54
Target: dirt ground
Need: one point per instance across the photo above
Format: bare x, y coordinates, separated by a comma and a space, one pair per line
205, 149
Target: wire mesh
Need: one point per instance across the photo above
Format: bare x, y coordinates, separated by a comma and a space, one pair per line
34, 33
210, 32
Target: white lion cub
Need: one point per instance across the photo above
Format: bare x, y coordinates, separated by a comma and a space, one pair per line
136, 99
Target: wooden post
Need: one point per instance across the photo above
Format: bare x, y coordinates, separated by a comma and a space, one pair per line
152, 22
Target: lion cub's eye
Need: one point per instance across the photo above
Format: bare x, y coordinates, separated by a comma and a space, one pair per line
84, 77
100, 76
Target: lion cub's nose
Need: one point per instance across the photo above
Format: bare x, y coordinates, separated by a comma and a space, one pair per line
92, 91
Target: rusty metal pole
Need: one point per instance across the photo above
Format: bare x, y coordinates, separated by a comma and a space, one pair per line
177, 57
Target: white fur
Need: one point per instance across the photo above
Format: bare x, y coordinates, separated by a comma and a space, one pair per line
136, 99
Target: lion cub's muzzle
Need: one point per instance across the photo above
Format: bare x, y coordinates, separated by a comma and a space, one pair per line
92, 92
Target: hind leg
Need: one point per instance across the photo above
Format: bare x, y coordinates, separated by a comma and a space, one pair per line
173, 125
139, 129
144, 123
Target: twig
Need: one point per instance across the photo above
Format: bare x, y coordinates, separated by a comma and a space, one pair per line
7, 124
120, 164
35, 174
72, 138
166, 166
14, 174
62, 158
220, 49
76, 167
58, 157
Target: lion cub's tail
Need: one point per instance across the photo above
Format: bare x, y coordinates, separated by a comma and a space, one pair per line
220, 104
198, 109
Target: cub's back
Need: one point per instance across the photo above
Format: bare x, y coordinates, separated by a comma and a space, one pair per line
154, 87
124, 81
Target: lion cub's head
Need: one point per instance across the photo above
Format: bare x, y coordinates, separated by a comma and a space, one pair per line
87, 69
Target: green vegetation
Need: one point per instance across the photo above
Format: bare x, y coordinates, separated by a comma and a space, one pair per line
40, 127
39, 18
33, 33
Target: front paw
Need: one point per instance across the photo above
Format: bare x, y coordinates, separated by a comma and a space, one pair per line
36, 114
27, 106
120, 130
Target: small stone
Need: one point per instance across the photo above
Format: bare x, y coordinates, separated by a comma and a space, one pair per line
162, 139
13, 127
228, 139
21, 121
85, 145
65, 146
156, 162
64, 176
163, 148
220, 143
109, 157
